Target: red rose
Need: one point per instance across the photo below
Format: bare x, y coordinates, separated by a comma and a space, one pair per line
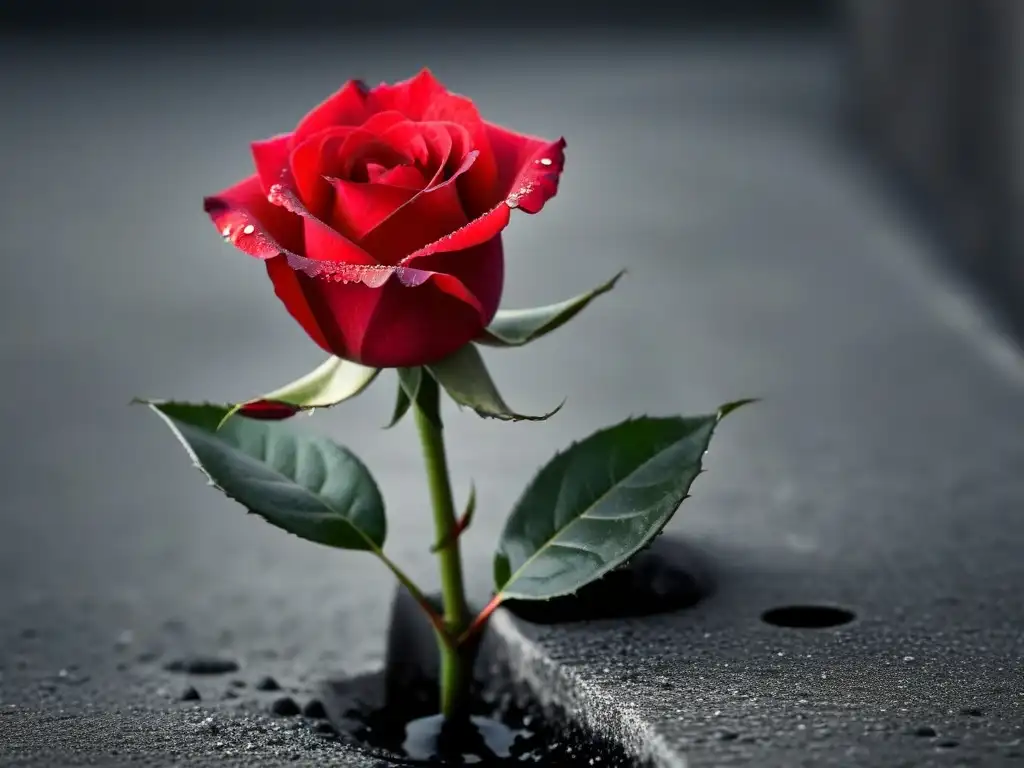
379, 218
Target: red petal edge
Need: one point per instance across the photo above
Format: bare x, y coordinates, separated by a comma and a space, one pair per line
246, 219
537, 181
268, 410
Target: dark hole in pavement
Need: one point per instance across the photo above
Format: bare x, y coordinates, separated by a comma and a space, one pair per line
392, 714
807, 616
667, 576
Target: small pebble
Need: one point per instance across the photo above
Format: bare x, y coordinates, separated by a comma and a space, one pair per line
972, 712
949, 743
325, 728
267, 684
202, 665
189, 694
123, 640
285, 707
926, 732
315, 709
230, 694
728, 736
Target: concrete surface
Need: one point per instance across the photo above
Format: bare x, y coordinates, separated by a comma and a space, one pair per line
936, 86
880, 473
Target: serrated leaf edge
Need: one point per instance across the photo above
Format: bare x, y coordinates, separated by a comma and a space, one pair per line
496, 340
153, 405
715, 419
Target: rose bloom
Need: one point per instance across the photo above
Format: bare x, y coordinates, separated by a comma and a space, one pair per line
379, 218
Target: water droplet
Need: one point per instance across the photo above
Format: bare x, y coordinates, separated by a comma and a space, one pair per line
545, 161
249, 229
226, 232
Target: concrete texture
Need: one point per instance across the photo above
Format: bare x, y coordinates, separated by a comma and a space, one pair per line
880, 473
936, 87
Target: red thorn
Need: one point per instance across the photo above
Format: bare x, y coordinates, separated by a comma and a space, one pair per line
481, 619
460, 525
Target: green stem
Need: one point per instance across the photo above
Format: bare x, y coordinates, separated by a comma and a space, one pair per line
417, 594
456, 662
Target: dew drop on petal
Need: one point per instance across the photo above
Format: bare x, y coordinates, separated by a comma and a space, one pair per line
545, 161
249, 229
226, 232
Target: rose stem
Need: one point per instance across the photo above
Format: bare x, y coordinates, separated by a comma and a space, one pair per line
456, 662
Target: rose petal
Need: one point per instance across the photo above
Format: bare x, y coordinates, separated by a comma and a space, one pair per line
481, 268
411, 97
290, 291
457, 142
359, 207
408, 139
376, 315
347, 106
359, 149
424, 218
322, 242
271, 159
424, 98
479, 187
268, 410
381, 121
397, 335
407, 176
475, 233
305, 170
528, 167
441, 149
384, 326
244, 217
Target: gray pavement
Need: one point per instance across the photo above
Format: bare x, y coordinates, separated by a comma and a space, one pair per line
880, 473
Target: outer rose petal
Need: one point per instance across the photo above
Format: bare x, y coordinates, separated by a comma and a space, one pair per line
347, 106
395, 325
528, 167
475, 233
290, 291
268, 410
481, 268
245, 218
271, 159
411, 97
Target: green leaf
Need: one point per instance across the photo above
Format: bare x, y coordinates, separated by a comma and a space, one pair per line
306, 485
333, 382
598, 503
464, 376
409, 380
515, 327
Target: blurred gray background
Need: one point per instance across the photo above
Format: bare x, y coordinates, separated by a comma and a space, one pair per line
804, 193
